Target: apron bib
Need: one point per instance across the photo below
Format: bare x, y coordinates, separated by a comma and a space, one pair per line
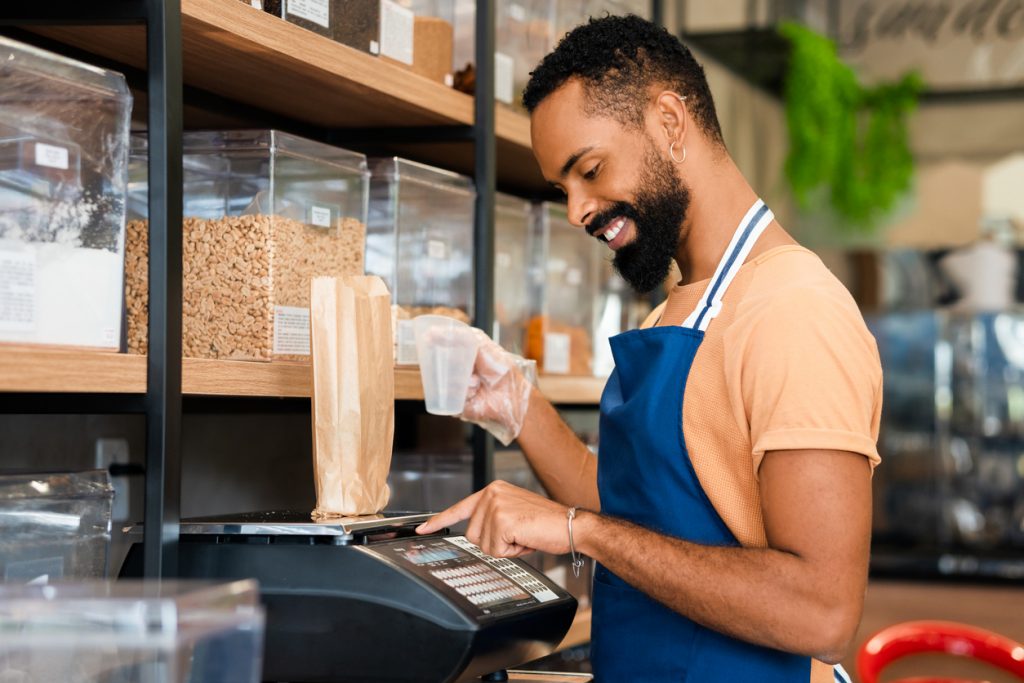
644, 475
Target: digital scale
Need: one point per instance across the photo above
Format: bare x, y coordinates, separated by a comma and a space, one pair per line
367, 599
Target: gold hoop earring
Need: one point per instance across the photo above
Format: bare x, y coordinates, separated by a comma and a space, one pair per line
672, 153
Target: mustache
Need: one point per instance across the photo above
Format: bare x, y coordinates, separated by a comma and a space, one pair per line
601, 220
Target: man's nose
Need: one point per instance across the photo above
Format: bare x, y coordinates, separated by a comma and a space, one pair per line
581, 210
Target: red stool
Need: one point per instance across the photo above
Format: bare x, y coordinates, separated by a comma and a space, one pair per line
915, 637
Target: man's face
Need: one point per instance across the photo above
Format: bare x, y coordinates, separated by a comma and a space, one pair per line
619, 186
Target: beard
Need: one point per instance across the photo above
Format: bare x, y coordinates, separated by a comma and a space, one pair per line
657, 211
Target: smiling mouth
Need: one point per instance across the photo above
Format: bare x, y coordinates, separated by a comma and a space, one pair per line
613, 230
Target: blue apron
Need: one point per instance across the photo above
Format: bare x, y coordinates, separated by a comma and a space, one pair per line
644, 475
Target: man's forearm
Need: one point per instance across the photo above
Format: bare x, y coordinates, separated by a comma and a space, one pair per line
563, 463
763, 596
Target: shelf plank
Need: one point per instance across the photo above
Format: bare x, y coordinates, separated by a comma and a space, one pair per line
253, 58
40, 369
579, 632
208, 377
247, 55
565, 389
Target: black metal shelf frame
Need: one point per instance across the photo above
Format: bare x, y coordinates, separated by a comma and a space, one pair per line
162, 402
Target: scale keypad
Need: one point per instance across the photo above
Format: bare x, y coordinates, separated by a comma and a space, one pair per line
507, 568
480, 584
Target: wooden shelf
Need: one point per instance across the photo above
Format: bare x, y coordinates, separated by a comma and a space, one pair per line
256, 59
39, 369
45, 370
579, 632
572, 390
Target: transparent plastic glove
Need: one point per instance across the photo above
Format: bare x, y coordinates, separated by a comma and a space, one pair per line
499, 390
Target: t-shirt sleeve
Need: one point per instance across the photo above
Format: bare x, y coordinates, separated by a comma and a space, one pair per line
805, 372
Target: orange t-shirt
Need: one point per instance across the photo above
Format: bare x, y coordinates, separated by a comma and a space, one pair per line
787, 364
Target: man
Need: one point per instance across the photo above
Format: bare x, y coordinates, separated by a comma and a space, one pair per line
730, 506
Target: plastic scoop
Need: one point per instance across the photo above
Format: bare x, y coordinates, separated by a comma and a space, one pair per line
447, 351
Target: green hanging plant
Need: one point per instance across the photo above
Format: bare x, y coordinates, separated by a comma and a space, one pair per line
849, 138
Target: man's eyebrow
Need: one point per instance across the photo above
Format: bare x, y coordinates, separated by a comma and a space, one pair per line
571, 161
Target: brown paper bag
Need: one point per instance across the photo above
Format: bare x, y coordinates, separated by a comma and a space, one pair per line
353, 394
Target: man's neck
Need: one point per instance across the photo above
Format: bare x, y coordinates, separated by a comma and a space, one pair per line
719, 199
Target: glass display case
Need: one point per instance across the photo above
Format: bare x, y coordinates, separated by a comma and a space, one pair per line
949, 498
562, 332
515, 273
131, 632
63, 170
420, 241
54, 526
265, 212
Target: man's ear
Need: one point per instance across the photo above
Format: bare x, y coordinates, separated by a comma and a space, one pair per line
673, 116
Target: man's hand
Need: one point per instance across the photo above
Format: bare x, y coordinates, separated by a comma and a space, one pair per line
507, 521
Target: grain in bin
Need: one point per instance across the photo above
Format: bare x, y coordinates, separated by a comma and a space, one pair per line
264, 212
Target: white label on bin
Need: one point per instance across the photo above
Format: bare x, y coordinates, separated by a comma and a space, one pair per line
437, 250
405, 353
320, 216
504, 78
573, 277
17, 290
317, 11
503, 259
258, 4
291, 331
557, 265
51, 156
396, 31
37, 572
516, 12
556, 353
374, 47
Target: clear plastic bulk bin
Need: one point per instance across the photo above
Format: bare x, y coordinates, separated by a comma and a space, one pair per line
420, 241
433, 38
515, 281
572, 13
131, 632
560, 335
265, 212
54, 526
63, 169
524, 33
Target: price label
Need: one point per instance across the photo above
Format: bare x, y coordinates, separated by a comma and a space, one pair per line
51, 156
396, 31
504, 78
317, 11
437, 250
320, 216
557, 348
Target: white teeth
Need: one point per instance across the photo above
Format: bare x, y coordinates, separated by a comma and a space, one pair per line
613, 232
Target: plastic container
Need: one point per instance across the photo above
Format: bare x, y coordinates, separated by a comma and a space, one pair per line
524, 33
561, 333
131, 632
265, 212
433, 38
572, 13
377, 27
63, 170
515, 274
429, 482
54, 526
420, 241
447, 352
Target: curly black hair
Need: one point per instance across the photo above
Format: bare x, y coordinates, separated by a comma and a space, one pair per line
618, 58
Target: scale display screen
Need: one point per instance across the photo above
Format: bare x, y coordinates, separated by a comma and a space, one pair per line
432, 554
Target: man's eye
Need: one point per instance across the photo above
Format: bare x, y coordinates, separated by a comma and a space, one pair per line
592, 173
